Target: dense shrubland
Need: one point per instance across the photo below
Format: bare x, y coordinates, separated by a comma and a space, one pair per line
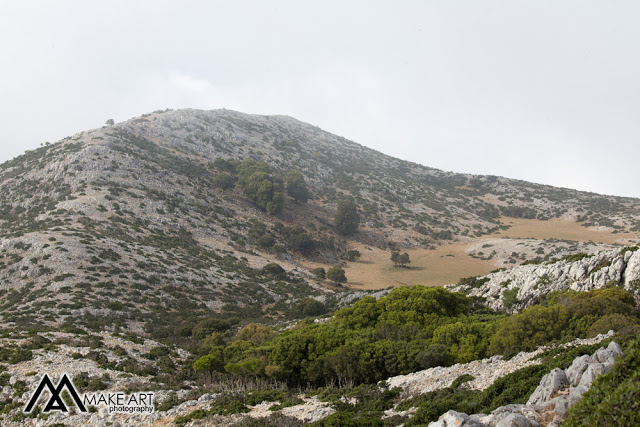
416, 328
341, 361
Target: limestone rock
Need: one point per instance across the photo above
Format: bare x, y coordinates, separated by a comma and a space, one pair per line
503, 412
592, 372
456, 419
615, 348
632, 271
577, 368
533, 282
549, 403
517, 420
551, 383
560, 405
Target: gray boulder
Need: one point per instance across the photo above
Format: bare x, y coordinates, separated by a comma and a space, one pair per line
456, 419
517, 420
577, 368
615, 348
560, 405
551, 383
503, 412
592, 372
604, 356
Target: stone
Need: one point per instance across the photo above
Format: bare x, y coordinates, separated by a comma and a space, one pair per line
551, 383
632, 272
586, 380
560, 405
577, 368
516, 420
577, 275
456, 419
206, 397
502, 412
604, 356
615, 348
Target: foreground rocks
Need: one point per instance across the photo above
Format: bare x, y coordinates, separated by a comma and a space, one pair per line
484, 371
549, 403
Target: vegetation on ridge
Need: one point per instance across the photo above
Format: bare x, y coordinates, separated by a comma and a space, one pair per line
416, 328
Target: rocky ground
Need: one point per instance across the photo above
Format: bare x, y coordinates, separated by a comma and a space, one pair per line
67, 354
484, 371
549, 403
517, 288
510, 252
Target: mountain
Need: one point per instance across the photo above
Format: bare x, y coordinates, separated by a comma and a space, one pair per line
132, 254
127, 225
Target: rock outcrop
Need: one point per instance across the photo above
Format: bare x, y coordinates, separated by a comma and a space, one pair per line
484, 372
533, 282
549, 403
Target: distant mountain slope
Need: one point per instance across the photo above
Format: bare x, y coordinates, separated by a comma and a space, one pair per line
125, 224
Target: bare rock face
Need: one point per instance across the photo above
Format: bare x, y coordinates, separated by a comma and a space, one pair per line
533, 282
549, 403
577, 368
551, 384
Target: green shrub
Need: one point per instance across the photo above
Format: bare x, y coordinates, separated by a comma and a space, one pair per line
320, 273
274, 270
296, 186
347, 218
224, 181
336, 274
461, 380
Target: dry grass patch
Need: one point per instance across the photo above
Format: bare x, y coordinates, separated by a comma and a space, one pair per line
558, 228
442, 266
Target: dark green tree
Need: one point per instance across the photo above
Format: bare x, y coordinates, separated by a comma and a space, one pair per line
347, 218
400, 260
274, 270
336, 274
320, 273
260, 186
265, 191
353, 255
224, 181
299, 240
212, 362
297, 187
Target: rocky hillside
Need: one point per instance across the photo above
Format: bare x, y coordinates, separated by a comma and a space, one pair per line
134, 224
513, 290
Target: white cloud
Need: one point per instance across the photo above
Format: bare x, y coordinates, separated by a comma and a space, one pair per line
471, 89
184, 82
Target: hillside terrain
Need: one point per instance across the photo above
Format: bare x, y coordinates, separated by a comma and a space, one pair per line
135, 209
200, 254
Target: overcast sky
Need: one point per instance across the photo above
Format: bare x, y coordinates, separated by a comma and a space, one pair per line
545, 91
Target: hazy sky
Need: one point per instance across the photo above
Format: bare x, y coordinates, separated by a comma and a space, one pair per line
546, 91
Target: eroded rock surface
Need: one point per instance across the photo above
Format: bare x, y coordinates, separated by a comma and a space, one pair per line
549, 403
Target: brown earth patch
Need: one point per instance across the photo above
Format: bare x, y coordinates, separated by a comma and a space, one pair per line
557, 228
444, 265
449, 263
